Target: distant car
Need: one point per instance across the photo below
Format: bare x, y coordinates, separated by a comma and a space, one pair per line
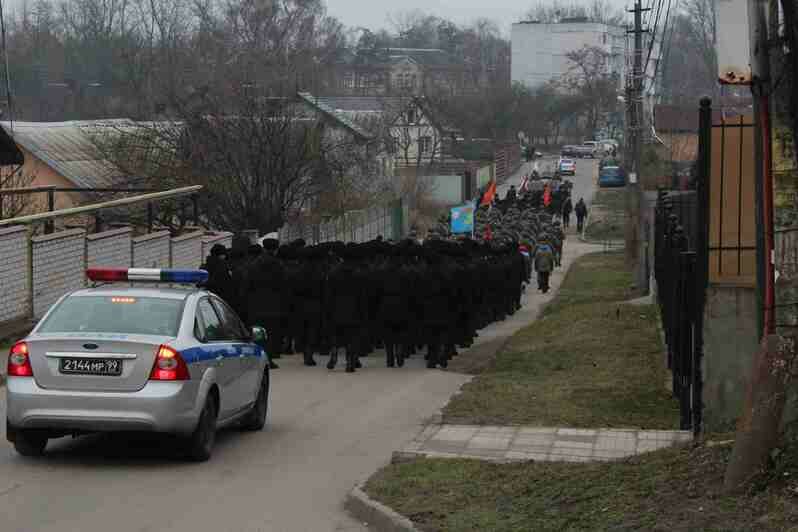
611, 176
569, 151
608, 161
126, 358
586, 151
567, 167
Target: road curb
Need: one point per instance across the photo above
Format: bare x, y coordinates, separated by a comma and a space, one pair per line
375, 514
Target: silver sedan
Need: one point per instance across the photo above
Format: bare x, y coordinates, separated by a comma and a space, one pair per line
169, 360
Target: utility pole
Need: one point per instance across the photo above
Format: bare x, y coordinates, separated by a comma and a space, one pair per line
760, 89
634, 232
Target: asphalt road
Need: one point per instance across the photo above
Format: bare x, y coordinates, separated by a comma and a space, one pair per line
584, 181
327, 431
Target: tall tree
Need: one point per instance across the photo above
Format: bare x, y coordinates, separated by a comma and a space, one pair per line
595, 11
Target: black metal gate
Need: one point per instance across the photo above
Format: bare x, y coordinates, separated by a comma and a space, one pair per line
680, 270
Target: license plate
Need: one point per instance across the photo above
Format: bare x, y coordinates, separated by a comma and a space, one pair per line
91, 366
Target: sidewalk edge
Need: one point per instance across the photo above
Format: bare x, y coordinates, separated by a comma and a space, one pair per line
375, 514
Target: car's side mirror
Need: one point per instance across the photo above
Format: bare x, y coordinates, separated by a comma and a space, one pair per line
259, 335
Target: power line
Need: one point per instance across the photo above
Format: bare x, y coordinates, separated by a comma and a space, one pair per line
8, 77
662, 47
653, 35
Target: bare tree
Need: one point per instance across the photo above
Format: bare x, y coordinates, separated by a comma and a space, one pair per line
590, 78
595, 11
259, 158
14, 177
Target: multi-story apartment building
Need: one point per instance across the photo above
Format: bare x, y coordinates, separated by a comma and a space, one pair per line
539, 51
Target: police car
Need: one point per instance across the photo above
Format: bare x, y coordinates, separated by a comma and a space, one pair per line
121, 357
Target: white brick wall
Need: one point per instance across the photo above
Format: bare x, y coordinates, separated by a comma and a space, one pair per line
151, 251
58, 267
210, 240
60, 260
187, 250
13, 273
110, 248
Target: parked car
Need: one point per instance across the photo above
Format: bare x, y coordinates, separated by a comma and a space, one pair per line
585, 151
608, 161
127, 358
567, 167
569, 150
612, 176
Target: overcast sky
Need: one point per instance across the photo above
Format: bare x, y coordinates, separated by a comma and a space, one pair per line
374, 14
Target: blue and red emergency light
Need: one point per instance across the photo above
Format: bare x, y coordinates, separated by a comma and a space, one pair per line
149, 275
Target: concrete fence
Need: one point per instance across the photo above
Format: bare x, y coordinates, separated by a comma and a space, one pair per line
389, 221
58, 267
152, 251
36, 271
14, 267
109, 248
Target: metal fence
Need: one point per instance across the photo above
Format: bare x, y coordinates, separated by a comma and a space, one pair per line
681, 272
390, 221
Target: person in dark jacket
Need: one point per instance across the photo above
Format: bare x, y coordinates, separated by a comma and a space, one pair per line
567, 207
581, 214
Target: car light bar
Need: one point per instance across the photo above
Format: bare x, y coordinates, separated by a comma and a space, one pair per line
149, 275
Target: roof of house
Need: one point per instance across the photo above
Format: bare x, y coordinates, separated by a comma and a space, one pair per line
431, 57
10, 153
351, 111
67, 148
683, 119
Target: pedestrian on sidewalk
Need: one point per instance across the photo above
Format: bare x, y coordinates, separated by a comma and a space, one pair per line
544, 264
567, 207
581, 214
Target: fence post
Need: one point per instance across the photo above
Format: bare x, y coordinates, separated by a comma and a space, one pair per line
30, 271
49, 225
701, 259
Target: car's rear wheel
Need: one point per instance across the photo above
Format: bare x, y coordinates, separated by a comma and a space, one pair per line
201, 441
256, 418
30, 443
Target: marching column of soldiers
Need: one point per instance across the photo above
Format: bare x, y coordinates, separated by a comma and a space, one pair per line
331, 298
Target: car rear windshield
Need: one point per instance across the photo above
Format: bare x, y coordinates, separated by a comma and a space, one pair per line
608, 171
115, 314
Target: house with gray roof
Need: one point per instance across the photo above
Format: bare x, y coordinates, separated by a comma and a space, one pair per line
62, 154
400, 71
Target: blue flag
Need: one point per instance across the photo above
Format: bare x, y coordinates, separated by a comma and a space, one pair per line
463, 218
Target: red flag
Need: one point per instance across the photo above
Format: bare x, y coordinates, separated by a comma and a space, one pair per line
488, 233
490, 193
547, 196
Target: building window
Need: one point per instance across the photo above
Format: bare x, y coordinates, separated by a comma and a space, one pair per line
425, 144
349, 80
411, 116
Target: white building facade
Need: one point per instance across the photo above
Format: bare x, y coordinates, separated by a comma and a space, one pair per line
539, 51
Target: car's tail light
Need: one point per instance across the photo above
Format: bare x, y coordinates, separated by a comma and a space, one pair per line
169, 366
19, 361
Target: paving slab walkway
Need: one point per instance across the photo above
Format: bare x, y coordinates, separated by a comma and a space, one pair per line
516, 443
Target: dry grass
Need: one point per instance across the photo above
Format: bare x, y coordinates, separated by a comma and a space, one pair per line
675, 489
589, 361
